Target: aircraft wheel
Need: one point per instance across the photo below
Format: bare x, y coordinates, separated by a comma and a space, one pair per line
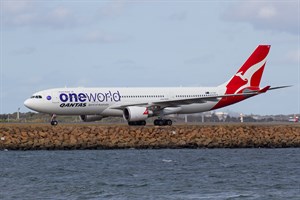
54, 123
137, 123
161, 122
168, 122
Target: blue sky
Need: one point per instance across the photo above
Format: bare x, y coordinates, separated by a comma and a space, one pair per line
48, 44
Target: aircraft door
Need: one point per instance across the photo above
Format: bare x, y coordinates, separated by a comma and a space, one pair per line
171, 95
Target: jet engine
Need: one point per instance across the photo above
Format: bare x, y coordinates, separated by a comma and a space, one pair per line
90, 118
136, 113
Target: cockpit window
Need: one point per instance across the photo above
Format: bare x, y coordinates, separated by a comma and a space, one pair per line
36, 97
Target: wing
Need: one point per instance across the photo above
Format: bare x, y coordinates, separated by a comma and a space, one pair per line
177, 102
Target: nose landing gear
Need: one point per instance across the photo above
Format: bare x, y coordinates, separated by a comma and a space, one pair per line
53, 121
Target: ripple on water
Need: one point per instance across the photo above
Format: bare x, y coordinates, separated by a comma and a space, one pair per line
151, 174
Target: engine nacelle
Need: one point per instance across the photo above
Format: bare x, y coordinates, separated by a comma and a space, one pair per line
90, 118
135, 113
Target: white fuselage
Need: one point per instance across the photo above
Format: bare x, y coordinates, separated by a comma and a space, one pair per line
102, 101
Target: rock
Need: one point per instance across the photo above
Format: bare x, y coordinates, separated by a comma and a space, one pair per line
23, 136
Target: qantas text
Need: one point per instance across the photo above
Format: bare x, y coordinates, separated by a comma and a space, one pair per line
79, 99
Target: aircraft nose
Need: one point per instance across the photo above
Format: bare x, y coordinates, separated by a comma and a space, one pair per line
28, 103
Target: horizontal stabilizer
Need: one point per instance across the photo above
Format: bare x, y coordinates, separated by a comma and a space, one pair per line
279, 87
265, 89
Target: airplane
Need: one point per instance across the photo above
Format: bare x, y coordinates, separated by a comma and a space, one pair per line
137, 104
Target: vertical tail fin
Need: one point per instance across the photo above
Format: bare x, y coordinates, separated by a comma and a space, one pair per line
249, 75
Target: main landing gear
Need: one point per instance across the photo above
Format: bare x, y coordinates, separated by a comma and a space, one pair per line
162, 122
137, 123
157, 122
53, 121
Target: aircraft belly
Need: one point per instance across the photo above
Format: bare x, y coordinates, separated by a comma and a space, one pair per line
196, 108
112, 112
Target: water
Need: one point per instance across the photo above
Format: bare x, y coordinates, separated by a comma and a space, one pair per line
151, 174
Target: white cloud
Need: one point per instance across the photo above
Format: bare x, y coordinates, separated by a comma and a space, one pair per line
267, 12
16, 13
98, 36
113, 9
16, 6
60, 13
288, 58
24, 51
125, 62
34, 14
265, 15
178, 16
102, 37
60, 17
293, 56
204, 59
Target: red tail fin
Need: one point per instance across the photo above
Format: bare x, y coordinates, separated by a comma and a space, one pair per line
249, 75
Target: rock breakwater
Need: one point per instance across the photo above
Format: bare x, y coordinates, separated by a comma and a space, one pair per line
46, 137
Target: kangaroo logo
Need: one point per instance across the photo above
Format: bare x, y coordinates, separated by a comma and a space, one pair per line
248, 75
240, 74
244, 79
